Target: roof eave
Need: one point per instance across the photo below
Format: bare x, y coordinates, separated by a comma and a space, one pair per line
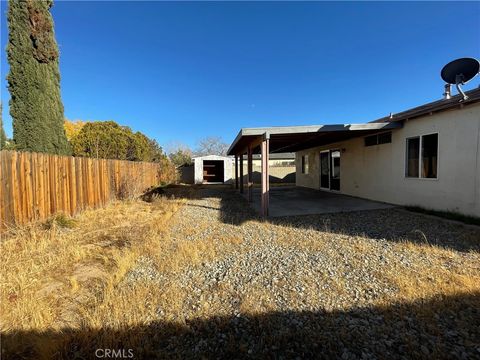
234, 143
310, 129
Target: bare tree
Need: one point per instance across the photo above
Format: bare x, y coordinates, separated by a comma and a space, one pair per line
174, 146
211, 145
179, 154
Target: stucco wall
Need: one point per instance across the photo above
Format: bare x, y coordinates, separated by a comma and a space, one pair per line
272, 162
277, 174
378, 172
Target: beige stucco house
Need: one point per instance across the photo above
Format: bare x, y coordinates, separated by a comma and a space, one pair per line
428, 156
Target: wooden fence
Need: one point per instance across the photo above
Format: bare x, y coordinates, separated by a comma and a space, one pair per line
34, 186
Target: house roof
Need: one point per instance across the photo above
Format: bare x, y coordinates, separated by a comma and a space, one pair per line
433, 107
295, 138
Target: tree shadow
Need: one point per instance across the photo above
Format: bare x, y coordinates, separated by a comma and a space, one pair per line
440, 328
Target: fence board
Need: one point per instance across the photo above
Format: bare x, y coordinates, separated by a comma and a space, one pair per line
34, 186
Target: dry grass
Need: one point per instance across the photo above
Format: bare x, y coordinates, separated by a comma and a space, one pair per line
68, 273
432, 271
64, 273
438, 272
257, 301
72, 275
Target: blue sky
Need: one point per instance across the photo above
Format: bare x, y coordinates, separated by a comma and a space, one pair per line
181, 71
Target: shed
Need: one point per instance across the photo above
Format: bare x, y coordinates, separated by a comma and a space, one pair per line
212, 169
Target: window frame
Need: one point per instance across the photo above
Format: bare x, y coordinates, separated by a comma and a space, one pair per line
420, 157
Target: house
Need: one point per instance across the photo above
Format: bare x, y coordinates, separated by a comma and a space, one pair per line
427, 156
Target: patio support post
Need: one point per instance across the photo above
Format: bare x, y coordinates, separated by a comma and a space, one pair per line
249, 172
236, 172
241, 173
265, 175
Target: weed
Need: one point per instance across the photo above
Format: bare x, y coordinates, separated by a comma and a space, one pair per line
61, 220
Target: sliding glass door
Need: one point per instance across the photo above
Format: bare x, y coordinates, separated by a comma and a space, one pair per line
325, 170
335, 170
330, 170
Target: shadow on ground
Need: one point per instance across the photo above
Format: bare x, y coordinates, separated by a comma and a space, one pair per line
390, 224
442, 328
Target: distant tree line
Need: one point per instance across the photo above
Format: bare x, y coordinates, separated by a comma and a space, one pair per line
109, 140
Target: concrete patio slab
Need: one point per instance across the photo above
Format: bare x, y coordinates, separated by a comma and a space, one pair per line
292, 200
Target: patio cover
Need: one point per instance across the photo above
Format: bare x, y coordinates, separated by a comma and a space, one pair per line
289, 139
295, 138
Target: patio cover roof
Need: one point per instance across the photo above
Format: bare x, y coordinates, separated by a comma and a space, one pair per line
295, 138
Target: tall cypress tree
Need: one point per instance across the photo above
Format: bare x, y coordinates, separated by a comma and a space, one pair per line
3, 137
34, 79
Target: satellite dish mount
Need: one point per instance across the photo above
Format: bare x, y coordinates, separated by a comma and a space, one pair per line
459, 72
459, 80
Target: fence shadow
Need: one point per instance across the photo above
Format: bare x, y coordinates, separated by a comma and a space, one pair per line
441, 328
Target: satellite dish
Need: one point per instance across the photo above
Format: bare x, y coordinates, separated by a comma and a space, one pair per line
459, 72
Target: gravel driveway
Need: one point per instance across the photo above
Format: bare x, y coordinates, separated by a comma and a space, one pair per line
378, 284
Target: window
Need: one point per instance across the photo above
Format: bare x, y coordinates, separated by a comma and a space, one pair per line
335, 155
385, 138
429, 156
371, 140
427, 167
305, 164
413, 150
378, 139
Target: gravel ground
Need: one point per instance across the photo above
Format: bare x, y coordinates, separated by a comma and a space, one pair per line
317, 286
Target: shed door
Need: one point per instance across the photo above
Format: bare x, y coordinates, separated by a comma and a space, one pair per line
213, 171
